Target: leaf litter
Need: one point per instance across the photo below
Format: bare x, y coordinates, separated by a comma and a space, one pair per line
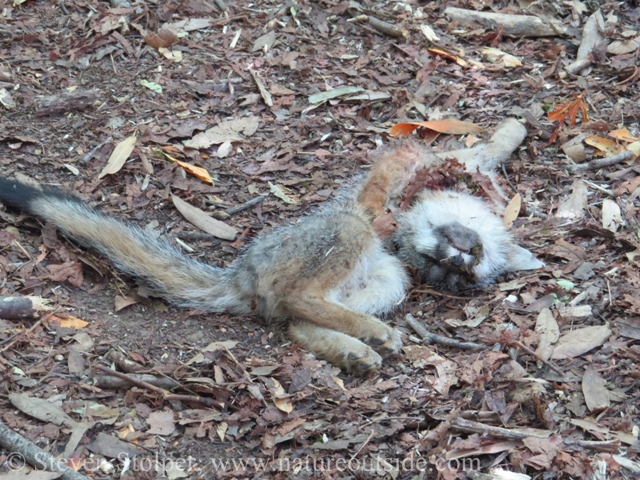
288, 100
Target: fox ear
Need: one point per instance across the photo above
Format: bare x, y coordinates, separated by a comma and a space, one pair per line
522, 259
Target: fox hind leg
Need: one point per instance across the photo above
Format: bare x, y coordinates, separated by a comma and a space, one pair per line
312, 307
336, 347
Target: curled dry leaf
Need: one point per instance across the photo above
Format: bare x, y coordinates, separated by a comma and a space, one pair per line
203, 221
166, 37
448, 55
281, 400
119, 155
579, 341
448, 125
198, 172
68, 322
173, 55
495, 56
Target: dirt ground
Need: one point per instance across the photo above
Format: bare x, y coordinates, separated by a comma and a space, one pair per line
230, 88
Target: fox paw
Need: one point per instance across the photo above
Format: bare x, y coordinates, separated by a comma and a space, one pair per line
363, 363
386, 343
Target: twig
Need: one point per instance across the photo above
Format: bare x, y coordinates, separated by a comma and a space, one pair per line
244, 206
239, 365
428, 337
34, 455
198, 236
600, 446
165, 394
111, 382
500, 432
446, 295
603, 162
363, 444
538, 357
93, 151
388, 28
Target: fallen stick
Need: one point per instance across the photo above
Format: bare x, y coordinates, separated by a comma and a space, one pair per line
428, 337
516, 25
123, 362
111, 382
93, 151
35, 456
15, 307
244, 206
603, 162
65, 102
538, 357
198, 236
499, 432
209, 402
382, 26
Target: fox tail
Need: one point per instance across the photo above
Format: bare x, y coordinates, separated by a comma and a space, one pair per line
180, 279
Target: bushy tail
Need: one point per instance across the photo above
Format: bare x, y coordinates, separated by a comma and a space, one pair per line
180, 279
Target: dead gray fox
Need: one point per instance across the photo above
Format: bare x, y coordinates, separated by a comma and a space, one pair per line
330, 275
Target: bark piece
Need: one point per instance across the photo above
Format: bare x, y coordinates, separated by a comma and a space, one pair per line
516, 25
65, 102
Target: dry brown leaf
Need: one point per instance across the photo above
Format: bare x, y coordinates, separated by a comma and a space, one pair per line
203, 221
547, 327
123, 302
231, 130
198, 172
607, 147
222, 430
281, 400
512, 211
623, 134
161, 423
119, 156
448, 55
575, 205
447, 125
569, 110
163, 39
611, 215
68, 322
579, 341
70, 271
596, 395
